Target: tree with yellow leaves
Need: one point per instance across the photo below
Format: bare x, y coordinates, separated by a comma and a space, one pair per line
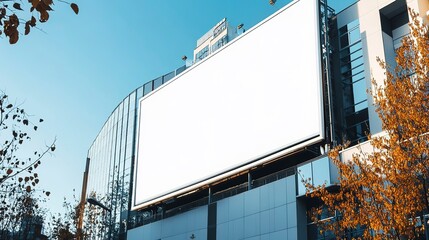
384, 192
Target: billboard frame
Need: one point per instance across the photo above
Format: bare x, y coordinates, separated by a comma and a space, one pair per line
309, 140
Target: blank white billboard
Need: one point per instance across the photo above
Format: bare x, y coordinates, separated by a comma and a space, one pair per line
259, 95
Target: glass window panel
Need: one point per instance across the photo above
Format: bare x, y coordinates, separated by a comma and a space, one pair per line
130, 132
202, 54
133, 101
304, 173
139, 92
167, 77
356, 54
131, 126
345, 54
355, 49
358, 77
126, 102
353, 24
354, 35
157, 82
147, 88
357, 61
313, 232
220, 43
355, 66
180, 70
359, 91
346, 75
357, 117
121, 170
117, 143
343, 30
360, 106
124, 139
358, 69
346, 58
321, 171
120, 111
344, 41
129, 151
397, 43
348, 99
345, 68
358, 132
219, 29
356, 46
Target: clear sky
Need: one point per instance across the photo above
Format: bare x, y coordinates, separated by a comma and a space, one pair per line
75, 72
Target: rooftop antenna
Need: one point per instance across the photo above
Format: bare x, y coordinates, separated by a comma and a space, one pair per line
241, 27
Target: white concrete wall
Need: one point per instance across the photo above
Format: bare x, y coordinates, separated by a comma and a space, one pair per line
420, 6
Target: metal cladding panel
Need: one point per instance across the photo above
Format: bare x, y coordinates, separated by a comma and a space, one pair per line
259, 95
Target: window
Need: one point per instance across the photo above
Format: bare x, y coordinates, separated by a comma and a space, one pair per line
220, 43
167, 77
157, 82
202, 54
318, 171
147, 88
352, 72
219, 29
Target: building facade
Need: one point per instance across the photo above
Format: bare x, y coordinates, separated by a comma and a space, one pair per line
215, 39
108, 172
264, 200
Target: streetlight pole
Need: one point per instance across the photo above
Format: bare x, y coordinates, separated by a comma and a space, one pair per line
94, 202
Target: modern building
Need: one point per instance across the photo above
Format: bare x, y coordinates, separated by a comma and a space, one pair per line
217, 150
215, 39
109, 165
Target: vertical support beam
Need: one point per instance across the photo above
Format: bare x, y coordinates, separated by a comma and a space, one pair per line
82, 201
212, 221
249, 181
301, 214
326, 49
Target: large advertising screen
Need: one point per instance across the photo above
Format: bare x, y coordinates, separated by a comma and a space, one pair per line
259, 95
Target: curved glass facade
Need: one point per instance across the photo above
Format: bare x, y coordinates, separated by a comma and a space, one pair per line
111, 157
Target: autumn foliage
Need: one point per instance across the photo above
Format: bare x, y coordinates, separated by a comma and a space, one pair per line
12, 14
383, 188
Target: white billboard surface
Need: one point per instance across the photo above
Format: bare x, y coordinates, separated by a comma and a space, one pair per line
259, 95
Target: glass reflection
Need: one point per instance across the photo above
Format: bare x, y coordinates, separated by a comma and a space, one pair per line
352, 73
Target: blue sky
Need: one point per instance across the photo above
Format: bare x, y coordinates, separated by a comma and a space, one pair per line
75, 72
